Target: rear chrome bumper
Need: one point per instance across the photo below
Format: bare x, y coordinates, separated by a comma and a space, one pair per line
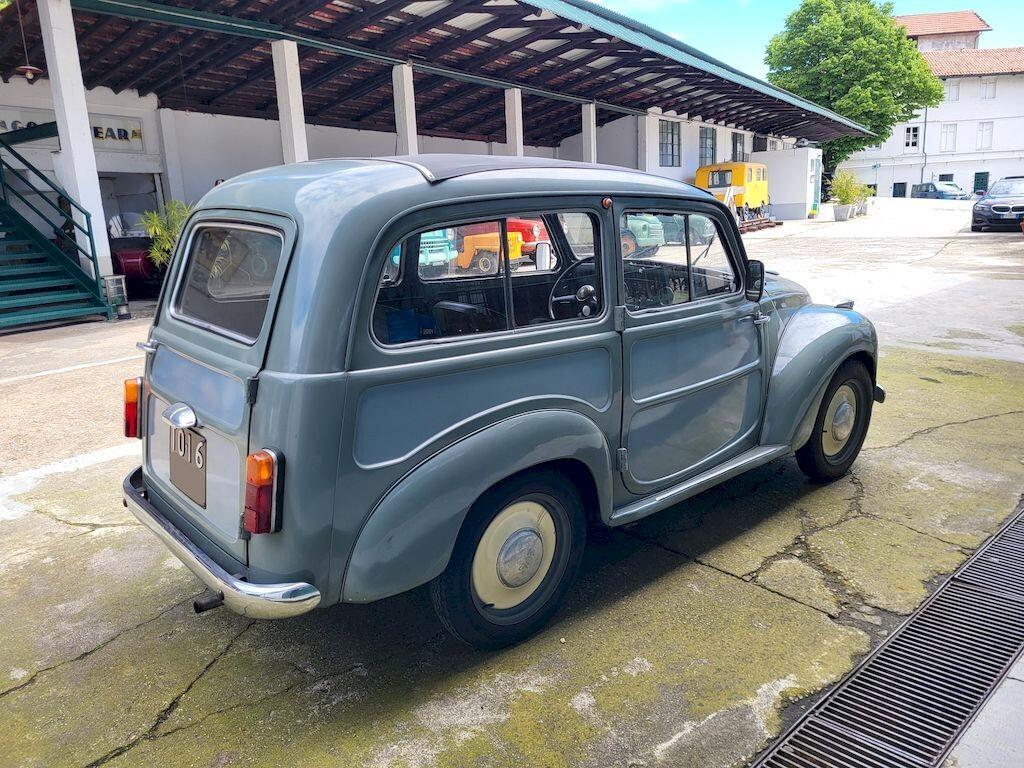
257, 601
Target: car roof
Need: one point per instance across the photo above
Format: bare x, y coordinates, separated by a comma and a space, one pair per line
436, 168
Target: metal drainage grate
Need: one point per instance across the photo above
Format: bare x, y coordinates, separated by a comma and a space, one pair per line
905, 705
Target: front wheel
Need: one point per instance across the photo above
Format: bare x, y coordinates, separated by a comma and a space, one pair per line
516, 555
841, 424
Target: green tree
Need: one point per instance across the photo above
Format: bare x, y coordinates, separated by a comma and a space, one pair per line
849, 56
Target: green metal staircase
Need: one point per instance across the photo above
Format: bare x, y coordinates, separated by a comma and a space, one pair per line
41, 273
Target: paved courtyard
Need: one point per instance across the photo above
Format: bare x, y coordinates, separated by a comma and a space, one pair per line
690, 639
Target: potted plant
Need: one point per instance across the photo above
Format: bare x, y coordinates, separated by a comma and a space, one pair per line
844, 189
164, 227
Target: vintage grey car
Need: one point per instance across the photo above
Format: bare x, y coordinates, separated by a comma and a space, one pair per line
327, 419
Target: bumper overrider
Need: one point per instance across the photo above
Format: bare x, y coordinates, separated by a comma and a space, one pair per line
257, 601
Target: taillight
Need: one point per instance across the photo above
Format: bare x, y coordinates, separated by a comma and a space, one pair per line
262, 475
132, 388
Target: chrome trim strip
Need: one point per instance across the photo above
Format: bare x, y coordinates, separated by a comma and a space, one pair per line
689, 389
755, 457
257, 601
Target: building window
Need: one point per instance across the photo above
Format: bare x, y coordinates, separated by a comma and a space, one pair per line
773, 145
988, 89
706, 147
945, 177
739, 148
899, 189
910, 137
947, 138
668, 143
985, 135
981, 182
952, 89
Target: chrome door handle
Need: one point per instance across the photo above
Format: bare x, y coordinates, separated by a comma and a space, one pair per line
149, 347
180, 416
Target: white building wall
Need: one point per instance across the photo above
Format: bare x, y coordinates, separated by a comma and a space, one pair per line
211, 147
893, 163
949, 42
617, 144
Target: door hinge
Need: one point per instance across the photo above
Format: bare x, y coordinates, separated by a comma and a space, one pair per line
621, 460
252, 384
760, 319
619, 314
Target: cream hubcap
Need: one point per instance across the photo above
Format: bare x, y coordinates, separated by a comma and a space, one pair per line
840, 419
514, 555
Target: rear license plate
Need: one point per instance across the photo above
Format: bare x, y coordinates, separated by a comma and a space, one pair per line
188, 464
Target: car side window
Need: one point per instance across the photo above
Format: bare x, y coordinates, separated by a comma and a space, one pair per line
713, 272
463, 279
672, 258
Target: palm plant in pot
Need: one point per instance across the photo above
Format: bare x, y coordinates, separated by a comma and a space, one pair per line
844, 189
164, 227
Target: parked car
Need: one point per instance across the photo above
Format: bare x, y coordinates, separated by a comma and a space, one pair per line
1001, 206
939, 190
643, 232
748, 180
322, 425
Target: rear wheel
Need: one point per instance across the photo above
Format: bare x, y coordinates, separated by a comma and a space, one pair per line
841, 424
516, 555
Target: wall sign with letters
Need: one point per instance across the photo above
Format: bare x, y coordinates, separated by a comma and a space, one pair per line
110, 133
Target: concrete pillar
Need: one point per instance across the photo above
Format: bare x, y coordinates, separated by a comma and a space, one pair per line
589, 133
291, 115
75, 162
647, 141
173, 178
514, 121
405, 109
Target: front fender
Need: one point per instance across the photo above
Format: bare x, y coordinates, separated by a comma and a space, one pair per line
409, 536
815, 343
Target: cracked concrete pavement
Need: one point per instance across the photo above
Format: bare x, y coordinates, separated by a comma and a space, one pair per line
691, 638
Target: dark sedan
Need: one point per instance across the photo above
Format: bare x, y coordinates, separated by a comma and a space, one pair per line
1002, 206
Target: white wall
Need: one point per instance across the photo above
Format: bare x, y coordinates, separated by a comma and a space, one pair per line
892, 162
949, 42
793, 180
617, 144
18, 92
210, 147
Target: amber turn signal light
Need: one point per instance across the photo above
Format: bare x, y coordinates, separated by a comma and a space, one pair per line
262, 475
132, 390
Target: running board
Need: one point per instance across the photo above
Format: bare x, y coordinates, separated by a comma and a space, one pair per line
737, 465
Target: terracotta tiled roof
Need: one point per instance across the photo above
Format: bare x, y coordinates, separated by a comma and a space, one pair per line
976, 61
942, 23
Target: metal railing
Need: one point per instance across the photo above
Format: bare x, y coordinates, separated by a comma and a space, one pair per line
65, 225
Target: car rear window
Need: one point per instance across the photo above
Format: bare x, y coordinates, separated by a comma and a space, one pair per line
228, 278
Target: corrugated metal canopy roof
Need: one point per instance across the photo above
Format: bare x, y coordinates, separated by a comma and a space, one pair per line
551, 48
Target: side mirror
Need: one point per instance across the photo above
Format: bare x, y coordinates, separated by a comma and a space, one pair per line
542, 258
755, 280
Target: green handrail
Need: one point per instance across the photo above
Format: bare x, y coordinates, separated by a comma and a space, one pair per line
64, 218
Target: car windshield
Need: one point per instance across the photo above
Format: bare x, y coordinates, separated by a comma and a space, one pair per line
1007, 188
949, 186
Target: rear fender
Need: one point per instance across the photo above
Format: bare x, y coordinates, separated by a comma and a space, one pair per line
408, 537
817, 340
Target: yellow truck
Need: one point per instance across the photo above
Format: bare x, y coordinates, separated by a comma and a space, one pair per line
479, 251
748, 180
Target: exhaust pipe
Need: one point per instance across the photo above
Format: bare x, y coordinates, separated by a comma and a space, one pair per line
208, 601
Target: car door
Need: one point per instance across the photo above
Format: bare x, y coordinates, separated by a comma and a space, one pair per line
206, 347
693, 359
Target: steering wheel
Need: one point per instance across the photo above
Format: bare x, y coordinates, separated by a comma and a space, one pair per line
584, 301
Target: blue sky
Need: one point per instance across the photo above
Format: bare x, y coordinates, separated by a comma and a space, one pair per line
737, 31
